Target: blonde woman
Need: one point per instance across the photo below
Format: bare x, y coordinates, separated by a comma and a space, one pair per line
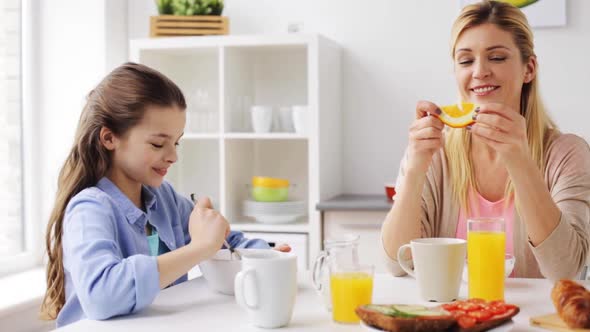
511, 163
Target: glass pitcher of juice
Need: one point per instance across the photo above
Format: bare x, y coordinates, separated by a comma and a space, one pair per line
350, 287
341, 250
486, 246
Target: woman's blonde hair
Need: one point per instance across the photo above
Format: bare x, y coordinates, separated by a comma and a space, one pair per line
118, 103
538, 123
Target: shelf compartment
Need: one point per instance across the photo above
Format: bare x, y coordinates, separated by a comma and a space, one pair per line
196, 72
244, 159
275, 76
197, 170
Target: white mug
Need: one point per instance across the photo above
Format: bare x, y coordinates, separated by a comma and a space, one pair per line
438, 265
267, 286
261, 118
286, 119
300, 121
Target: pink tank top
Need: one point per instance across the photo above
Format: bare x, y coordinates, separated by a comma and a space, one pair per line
482, 208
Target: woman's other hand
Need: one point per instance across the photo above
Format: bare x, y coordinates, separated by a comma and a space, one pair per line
503, 129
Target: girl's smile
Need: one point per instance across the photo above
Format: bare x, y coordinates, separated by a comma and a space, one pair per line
161, 171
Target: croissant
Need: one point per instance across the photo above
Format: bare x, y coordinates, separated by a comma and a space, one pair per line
572, 302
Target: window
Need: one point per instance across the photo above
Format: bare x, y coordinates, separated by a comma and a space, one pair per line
21, 245
12, 226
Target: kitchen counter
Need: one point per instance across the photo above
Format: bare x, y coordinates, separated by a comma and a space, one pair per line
192, 306
360, 215
356, 202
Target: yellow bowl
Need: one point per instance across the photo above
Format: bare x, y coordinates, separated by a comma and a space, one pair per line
267, 182
265, 189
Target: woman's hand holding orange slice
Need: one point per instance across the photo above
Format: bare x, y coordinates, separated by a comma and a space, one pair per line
425, 137
496, 124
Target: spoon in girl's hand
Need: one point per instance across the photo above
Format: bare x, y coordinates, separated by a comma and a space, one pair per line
232, 250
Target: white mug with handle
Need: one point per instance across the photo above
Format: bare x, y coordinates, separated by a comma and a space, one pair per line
261, 118
438, 265
267, 286
300, 119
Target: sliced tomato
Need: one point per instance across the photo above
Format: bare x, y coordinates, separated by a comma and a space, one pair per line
469, 306
480, 315
466, 321
509, 306
497, 309
476, 301
508, 313
458, 313
450, 306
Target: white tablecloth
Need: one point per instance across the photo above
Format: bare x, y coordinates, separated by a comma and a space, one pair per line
192, 307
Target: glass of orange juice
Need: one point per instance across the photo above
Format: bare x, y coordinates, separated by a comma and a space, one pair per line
486, 246
350, 287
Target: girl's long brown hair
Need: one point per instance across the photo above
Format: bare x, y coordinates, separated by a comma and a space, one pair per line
118, 103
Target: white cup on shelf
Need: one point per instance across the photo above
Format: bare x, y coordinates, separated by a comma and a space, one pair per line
286, 119
261, 118
300, 121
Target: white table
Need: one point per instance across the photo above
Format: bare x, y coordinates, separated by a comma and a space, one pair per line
192, 307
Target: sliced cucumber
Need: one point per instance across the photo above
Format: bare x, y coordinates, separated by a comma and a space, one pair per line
431, 313
406, 311
409, 309
417, 310
384, 309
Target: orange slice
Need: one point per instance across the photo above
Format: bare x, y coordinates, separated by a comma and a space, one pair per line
458, 115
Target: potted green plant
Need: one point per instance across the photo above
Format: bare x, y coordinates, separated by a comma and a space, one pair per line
190, 7
189, 17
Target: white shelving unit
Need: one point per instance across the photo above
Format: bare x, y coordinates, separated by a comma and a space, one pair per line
222, 77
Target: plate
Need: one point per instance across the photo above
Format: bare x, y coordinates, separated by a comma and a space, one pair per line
274, 219
274, 212
508, 326
275, 207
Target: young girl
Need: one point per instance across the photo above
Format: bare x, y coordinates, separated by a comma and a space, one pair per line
112, 196
513, 162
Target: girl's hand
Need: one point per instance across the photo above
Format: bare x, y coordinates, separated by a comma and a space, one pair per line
207, 227
503, 129
282, 248
425, 136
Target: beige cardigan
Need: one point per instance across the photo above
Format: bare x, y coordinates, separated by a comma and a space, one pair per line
563, 253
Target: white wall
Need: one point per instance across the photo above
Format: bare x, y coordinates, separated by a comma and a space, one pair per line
395, 53
80, 41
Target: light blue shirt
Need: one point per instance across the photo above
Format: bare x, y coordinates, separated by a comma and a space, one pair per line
106, 257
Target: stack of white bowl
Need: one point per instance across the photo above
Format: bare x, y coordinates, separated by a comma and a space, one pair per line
274, 212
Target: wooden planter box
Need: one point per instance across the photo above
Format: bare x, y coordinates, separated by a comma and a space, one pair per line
172, 25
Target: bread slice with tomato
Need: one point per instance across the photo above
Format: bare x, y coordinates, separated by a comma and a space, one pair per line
476, 315
473, 315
